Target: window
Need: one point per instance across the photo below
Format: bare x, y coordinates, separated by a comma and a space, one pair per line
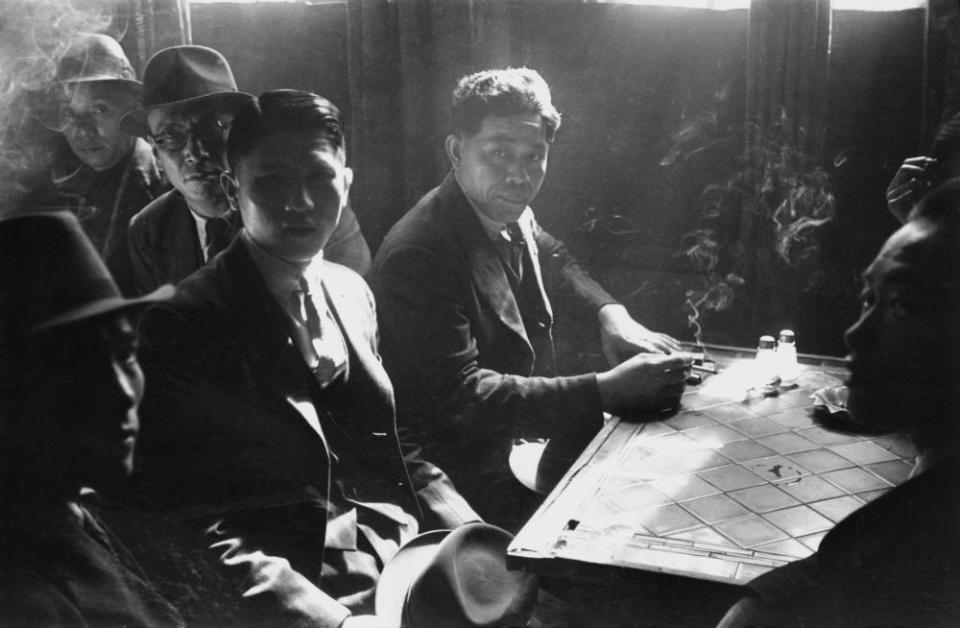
726, 5
719, 5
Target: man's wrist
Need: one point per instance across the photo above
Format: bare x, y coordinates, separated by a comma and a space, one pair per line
611, 314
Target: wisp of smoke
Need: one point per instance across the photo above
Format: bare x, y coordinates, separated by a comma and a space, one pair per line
716, 291
34, 34
808, 205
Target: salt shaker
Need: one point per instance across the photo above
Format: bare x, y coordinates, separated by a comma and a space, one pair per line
765, 364
787, 358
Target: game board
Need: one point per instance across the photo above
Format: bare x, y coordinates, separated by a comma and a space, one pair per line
733, 485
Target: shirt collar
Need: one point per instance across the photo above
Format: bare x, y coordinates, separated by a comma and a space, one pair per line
282, 277
491, 227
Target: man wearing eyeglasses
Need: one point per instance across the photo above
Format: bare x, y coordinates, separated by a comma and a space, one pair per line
99, 173
189, 97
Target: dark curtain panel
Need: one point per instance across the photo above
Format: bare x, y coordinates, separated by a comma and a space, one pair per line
942, 67
404, 59
874, 122
787, 80
150, 25
271, 45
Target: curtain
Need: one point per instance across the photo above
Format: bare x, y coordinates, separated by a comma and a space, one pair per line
787, 78
941, 95
404, 58
150, 25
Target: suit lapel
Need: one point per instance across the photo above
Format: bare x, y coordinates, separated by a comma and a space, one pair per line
261, 328
182, 247
526, 226
486, 270
354, 325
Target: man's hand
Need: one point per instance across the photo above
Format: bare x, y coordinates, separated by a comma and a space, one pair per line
622, 337
909, 185
647, 381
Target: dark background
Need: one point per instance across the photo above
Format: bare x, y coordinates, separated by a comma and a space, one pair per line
626, 79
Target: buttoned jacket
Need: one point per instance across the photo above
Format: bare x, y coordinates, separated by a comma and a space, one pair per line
454, 341
225, 445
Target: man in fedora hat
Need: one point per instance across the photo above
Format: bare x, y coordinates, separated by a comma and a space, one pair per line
99, 172
270, 420
188, 102
70, 386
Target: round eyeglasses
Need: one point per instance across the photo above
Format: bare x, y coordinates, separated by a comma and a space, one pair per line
174, 136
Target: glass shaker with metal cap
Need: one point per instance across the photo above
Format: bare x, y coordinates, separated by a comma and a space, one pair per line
765, 364
787, 358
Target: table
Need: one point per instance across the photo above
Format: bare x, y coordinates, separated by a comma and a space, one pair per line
733, 485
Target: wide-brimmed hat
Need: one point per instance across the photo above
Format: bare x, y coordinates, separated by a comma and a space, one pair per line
456, 579
95, 57
184, 76
51, 275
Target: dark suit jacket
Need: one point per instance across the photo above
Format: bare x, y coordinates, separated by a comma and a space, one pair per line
455, 345
894, 562
165, 247
222, 445
104, 202
59, 570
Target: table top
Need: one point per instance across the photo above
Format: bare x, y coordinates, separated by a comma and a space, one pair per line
733, 485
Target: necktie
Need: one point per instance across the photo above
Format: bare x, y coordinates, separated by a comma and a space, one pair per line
516, 244
218, 233
321, 345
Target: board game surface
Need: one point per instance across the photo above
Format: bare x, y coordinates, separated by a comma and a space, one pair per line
733, 485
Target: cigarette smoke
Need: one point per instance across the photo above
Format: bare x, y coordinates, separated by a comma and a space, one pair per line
34, 34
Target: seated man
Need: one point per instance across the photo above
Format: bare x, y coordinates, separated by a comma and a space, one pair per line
103, 175
896, 561
69, 390
462, 283
188, 103
270, 421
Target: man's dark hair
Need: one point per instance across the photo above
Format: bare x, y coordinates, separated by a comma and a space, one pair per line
502, 93
282, 110
939, 257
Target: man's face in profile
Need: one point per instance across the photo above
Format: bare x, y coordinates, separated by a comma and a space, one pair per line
89, 118
501, 167
84, 407
898, 363
290, 190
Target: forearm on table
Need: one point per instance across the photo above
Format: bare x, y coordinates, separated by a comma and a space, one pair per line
536, 407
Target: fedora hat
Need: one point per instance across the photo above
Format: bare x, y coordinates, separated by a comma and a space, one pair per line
51, 275
95, 57
455, 579
180, 76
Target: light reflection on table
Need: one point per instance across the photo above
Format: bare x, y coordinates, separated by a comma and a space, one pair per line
733, 485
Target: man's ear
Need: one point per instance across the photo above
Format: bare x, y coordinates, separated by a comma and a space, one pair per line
452, 145
347, 181
230, 189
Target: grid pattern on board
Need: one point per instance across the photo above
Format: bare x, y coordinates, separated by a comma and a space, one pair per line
728, 490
